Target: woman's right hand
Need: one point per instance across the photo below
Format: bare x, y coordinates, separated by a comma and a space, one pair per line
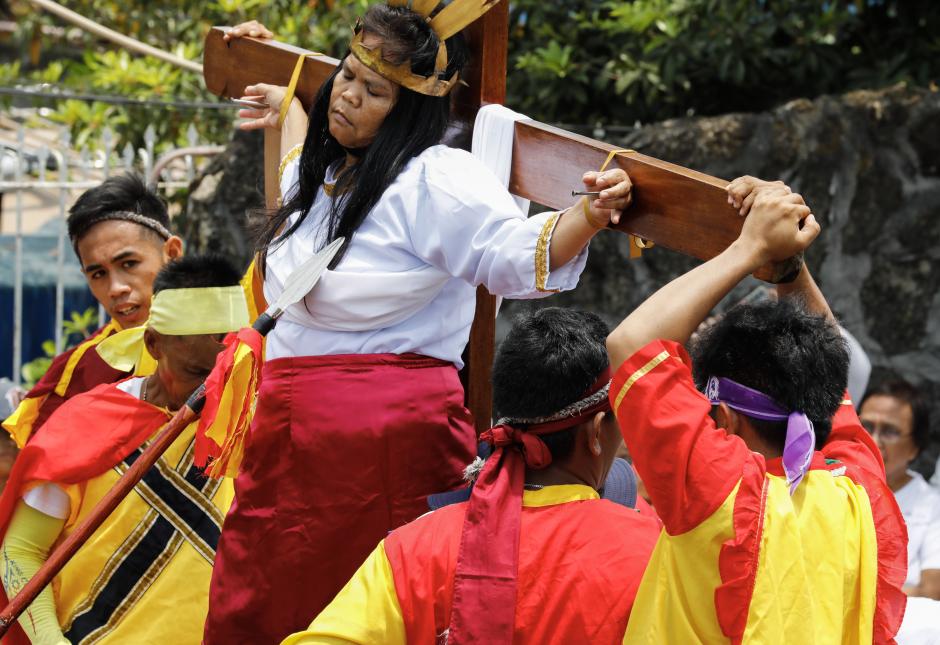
258, 118
252, 28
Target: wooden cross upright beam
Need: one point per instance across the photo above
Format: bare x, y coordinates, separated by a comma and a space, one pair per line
674, 207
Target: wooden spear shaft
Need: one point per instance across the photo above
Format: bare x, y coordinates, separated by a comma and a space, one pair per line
299, 283
64, 552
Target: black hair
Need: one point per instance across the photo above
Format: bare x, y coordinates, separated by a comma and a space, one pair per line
126, 192
196, 271
797, 358
908, 393
549, 359
414, 124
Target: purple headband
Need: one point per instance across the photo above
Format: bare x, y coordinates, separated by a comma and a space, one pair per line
800, 442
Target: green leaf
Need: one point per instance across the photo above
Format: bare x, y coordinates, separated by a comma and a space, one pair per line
48, 346
34, 370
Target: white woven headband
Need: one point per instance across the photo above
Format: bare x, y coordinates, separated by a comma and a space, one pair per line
127, 216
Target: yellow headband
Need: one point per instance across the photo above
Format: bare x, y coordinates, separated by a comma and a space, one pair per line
176, 312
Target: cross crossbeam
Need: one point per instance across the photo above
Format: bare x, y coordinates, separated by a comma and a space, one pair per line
675, 207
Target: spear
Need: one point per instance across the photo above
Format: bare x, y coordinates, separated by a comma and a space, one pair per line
298, 284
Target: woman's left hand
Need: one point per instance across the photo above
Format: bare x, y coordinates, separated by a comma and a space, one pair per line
616, 195
267, 117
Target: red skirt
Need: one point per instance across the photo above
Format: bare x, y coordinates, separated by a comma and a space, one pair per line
342, 450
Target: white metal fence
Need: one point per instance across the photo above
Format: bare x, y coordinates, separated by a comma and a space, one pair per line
43, 161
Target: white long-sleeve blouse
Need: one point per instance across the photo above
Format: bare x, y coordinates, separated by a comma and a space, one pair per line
407, 282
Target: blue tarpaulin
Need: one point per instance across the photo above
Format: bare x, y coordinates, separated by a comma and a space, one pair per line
40, 270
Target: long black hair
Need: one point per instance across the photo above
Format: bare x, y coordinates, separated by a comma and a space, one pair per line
415, 123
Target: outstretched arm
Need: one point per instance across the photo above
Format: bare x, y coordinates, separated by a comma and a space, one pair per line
778, 226
294, 128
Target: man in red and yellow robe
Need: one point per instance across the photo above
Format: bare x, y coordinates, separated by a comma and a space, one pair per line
534, 556
740, 558
778, 523
120, 232
154, 553
580, 562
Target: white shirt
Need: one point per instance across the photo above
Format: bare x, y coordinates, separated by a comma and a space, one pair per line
408, 280
921, 625
920, 505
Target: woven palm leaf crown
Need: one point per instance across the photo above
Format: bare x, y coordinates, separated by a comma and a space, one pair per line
454, 17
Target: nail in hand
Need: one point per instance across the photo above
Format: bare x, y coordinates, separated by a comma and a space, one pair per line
250, 104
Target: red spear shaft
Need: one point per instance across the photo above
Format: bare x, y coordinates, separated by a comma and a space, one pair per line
64, 552
298, 284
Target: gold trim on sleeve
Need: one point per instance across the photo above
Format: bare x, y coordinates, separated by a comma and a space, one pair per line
292, 154
637, 375
541, 254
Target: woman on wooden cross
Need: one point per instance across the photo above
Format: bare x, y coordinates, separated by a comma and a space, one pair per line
360, 414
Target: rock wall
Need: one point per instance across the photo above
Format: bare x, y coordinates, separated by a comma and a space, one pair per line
225, 199
868, 163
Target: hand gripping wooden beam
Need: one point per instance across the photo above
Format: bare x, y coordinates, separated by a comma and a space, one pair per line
674, 207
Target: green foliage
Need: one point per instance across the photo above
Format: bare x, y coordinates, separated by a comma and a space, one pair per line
9, 72
576, 61
79, 327
34, 370
617, 62
82, 63
86, 119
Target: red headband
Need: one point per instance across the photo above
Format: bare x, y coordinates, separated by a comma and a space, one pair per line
484, 603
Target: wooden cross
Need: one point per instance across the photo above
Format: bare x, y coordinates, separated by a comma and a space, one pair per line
674, 207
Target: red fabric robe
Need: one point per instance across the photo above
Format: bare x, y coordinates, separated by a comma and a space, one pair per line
112, 424
62, 381
342, 450
740, 558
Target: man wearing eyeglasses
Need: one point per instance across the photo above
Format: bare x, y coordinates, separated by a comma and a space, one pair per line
895, 414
